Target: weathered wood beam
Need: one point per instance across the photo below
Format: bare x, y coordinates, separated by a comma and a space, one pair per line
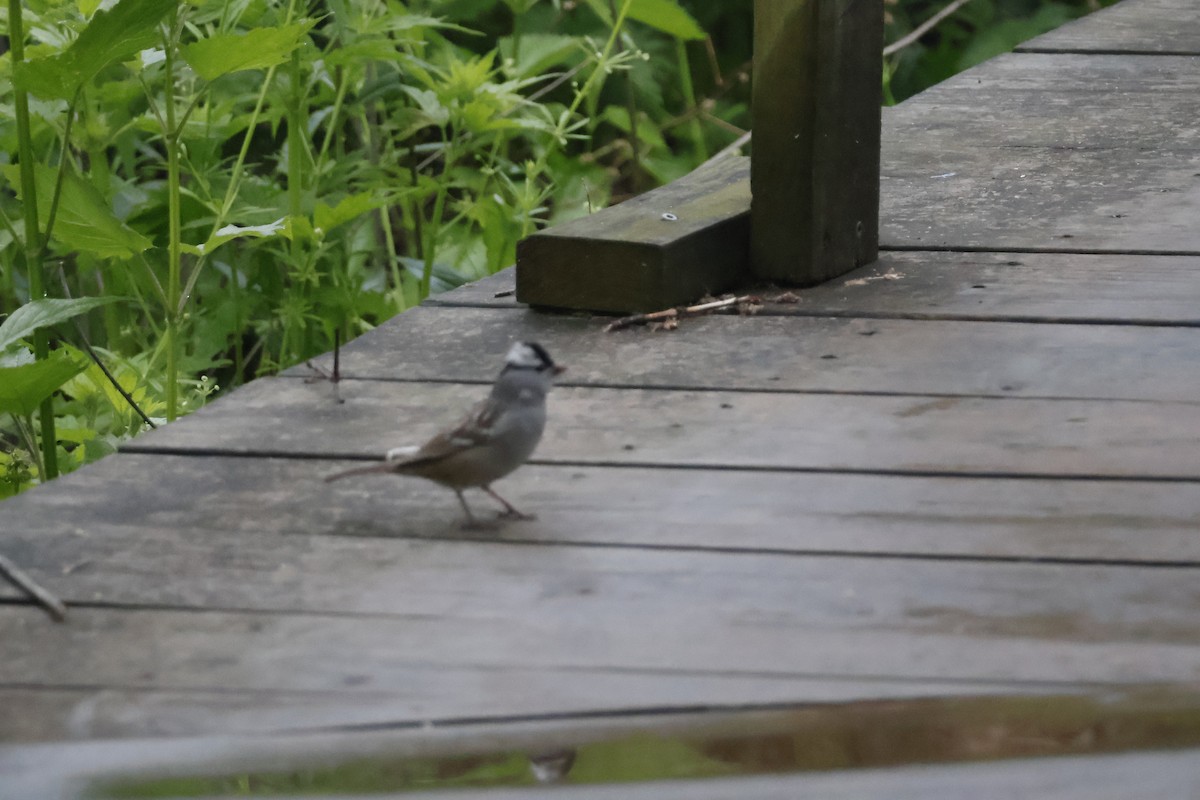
815, 176
665, 247
815, 173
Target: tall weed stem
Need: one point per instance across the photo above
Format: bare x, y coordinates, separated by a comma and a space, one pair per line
48, 469
171, 141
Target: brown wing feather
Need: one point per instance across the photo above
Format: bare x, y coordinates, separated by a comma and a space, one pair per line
472, 430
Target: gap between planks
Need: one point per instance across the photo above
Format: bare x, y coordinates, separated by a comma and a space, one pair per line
217, 452
774, 310
700, 387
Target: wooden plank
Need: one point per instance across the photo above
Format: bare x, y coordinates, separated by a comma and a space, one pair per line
1092, 78
1001, 157
1138, 103
727, 749
819, 353
1034, 287
1142, 104
748, 430
732, 616
816, 138
668, 246
494, 291
412, 695
112, 517
1028, 287
1039, 198
1131, 26
402, 616
1031, 191
314, 566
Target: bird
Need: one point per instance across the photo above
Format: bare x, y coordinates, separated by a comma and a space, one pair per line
495, 437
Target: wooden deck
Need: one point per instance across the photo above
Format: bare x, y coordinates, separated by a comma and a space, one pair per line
972, 468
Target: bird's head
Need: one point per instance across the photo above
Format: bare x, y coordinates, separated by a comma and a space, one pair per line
531, 356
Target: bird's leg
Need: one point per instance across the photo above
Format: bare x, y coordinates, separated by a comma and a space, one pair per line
510, 511
472, 524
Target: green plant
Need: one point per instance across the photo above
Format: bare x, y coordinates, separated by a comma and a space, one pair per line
225, 186
256, 178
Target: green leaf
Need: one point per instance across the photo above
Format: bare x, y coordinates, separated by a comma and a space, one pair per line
430, 105
348, 208
111, 36
407, 22
541, 52
667, 16
664, 15
408, 121
230, 232
257, 48
46, 77
84, 221
35, 314
22, 389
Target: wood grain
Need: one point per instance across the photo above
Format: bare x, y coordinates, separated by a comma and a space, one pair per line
1019, 287
1042, 173
947, 473
814, 354
816, 109
419, 694
667, 246
108, 517
739, 616
747, 430
1024, 287
1140, 104
1038, 198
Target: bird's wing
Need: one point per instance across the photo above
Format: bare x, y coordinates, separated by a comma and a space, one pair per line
473, 430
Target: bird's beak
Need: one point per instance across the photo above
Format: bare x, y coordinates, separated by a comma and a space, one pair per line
559, 369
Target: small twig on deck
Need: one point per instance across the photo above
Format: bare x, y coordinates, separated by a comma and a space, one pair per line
19, 578
679, 312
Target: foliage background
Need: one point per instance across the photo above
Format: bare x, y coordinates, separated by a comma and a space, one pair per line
233, 183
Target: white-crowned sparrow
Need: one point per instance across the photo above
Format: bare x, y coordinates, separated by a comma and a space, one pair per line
497, 436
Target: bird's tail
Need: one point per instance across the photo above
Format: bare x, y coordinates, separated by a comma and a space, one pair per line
373, 468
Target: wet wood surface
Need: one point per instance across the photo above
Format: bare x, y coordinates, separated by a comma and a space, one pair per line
972, 467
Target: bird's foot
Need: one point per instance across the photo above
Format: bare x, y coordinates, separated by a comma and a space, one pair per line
510, 511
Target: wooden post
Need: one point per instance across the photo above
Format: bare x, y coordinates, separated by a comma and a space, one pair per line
815, 178
815, 166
